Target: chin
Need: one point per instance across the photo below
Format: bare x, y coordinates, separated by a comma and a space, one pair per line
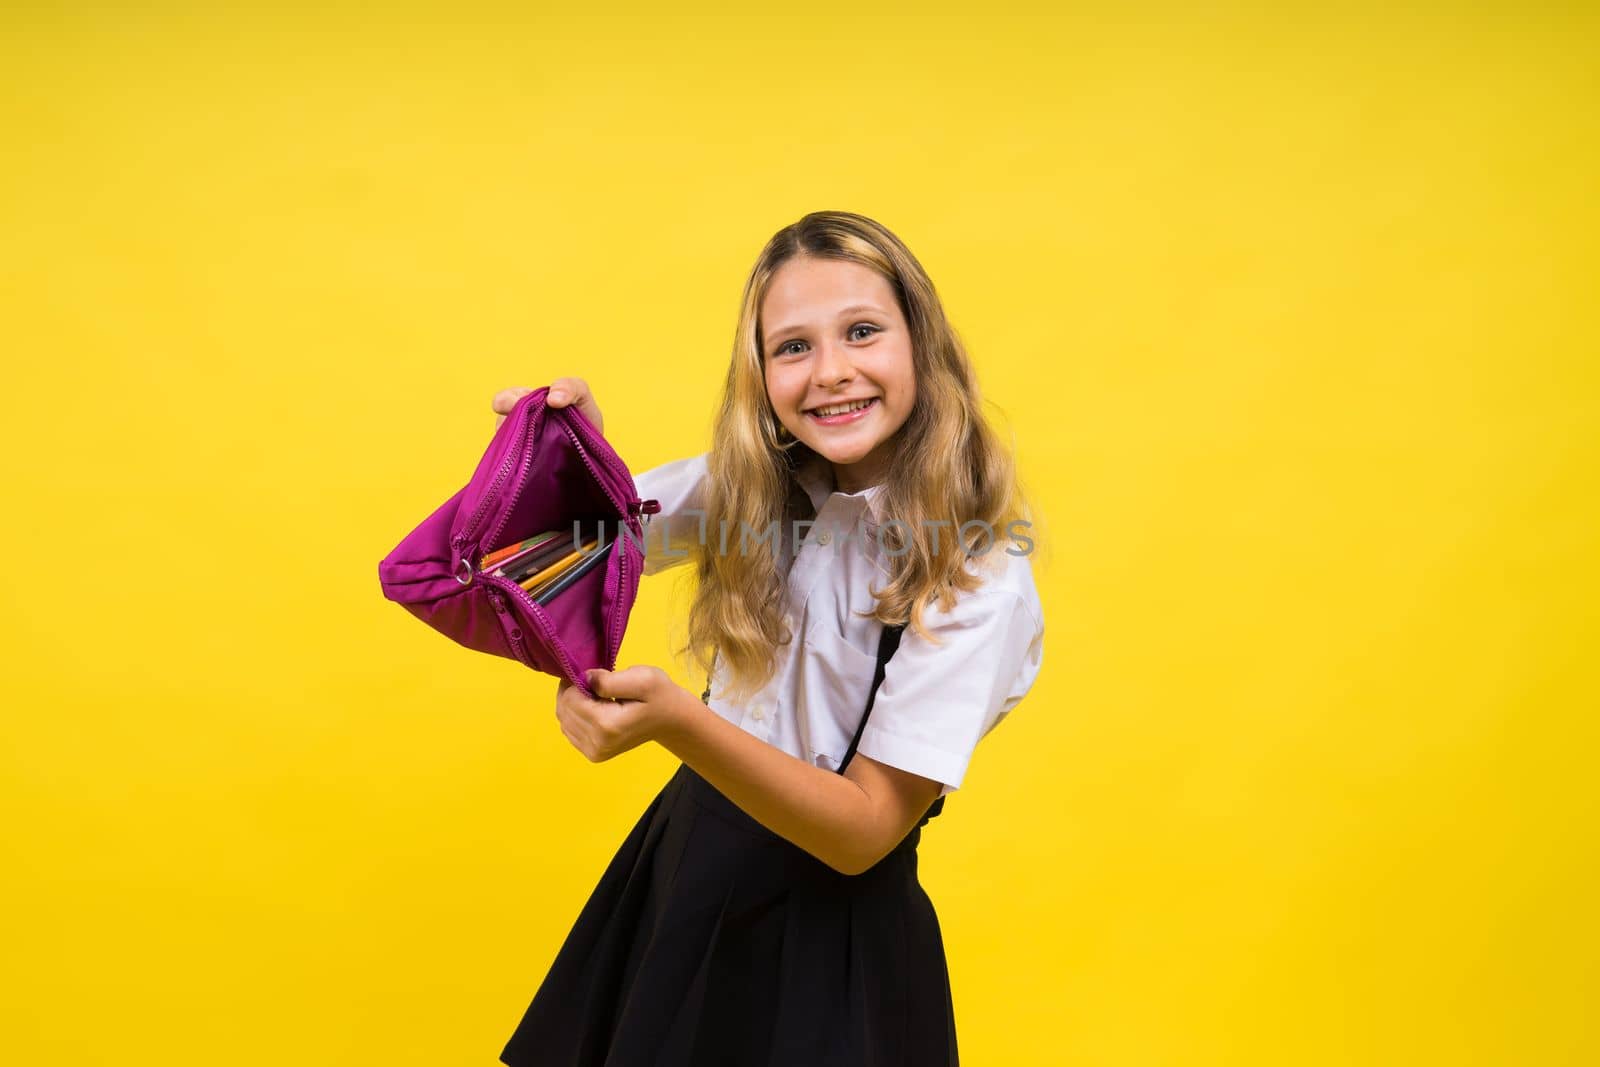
842, 459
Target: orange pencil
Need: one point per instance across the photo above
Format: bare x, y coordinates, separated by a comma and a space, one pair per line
488, 562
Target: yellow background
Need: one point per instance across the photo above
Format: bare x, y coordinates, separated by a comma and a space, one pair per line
1289, 313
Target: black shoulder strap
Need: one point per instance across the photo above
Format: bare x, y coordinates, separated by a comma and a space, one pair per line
888, 641
705, 698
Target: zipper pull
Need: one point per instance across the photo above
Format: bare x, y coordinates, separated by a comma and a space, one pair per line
644, 507
461, 559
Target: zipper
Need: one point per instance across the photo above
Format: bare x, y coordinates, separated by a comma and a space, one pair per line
464, 545
588, 461
634, 510
626, 512
512, 631
517, 432
645, 508
464, 548
521, 484
630, 514
612, 462
539, 616
520, 458
614, 637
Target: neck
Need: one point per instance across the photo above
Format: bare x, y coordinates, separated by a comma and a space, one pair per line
850, 480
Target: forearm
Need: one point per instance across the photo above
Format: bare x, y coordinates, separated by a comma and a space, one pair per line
820, 811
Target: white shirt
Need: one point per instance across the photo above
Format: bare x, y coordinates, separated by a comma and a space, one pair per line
936, 702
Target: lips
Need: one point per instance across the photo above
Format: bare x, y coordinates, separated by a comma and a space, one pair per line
836, 403
848, 418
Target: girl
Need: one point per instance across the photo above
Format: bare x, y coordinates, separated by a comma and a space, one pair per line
867, 612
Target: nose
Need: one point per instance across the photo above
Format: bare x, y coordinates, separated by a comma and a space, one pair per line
832, 365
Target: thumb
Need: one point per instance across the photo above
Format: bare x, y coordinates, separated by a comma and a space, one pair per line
603, 684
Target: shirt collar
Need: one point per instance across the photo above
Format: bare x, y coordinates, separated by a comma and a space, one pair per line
816, 478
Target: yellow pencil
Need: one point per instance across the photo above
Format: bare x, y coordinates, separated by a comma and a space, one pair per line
558, 566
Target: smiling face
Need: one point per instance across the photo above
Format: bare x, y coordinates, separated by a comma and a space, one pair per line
833, 336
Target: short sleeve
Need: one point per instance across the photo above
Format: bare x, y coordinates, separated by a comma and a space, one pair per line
936, 702
673, 533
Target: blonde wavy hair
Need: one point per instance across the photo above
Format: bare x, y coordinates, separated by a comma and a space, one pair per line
962, 472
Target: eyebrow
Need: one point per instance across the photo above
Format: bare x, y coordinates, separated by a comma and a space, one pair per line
851, 310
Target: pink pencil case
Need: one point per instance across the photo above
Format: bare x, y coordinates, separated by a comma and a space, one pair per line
544, 469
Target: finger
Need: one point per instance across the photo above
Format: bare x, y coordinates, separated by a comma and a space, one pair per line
564, 391
603, 684
591, 411
575, 392
579, 709
578, 732
566, 720
571, 740
506, 399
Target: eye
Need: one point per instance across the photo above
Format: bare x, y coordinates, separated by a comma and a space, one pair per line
783, 349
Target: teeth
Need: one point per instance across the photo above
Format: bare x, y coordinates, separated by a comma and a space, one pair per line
840, 409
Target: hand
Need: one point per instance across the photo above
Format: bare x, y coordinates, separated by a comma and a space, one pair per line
563, 391
628, 708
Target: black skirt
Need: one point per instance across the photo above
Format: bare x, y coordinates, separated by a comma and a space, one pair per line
712, 942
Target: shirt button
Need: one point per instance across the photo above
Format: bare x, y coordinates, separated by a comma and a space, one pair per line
757, 714
824, 537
